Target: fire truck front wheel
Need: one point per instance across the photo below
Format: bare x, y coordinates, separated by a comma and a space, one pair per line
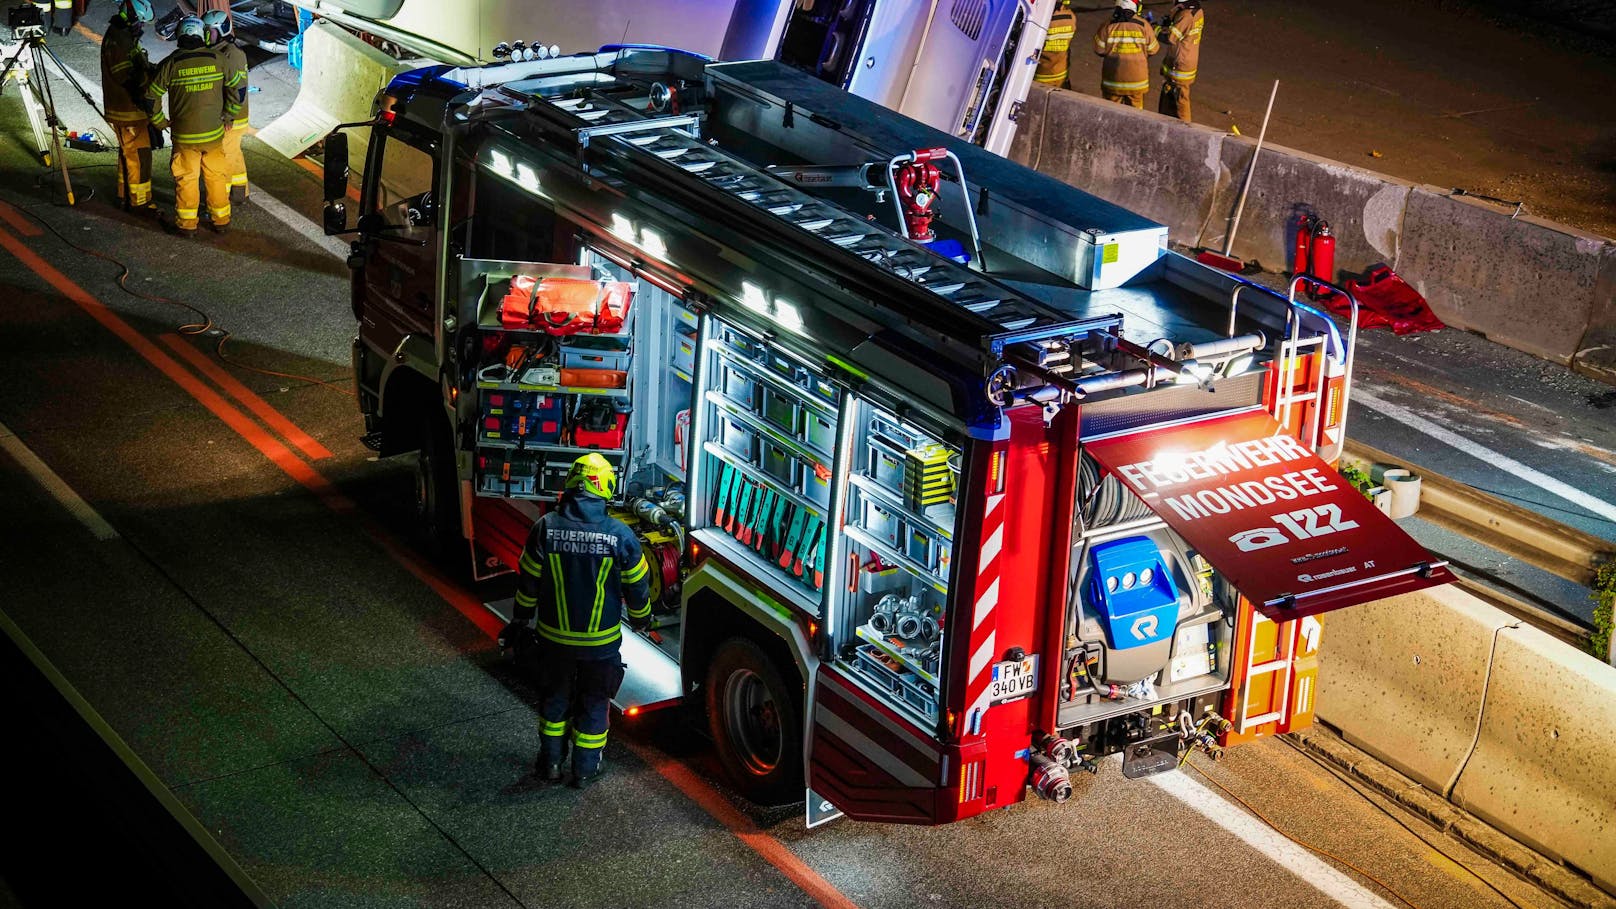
756, 722
437, 511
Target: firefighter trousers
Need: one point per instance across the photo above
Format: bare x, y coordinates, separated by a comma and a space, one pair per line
1175, 100
578, 693
233, 157
1132, 99
205, 165
134, 162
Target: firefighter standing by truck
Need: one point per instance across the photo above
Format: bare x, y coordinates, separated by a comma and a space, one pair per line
234, 61
1126, 42
125, 72
192, 81
1054, 61
1181, 32
581, 573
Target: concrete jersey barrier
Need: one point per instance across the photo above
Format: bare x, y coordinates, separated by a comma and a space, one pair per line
341, 76
1521, 281
1365, 209
1544, 767
1405, 679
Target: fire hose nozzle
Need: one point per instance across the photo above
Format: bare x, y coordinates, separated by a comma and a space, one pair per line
1049, 779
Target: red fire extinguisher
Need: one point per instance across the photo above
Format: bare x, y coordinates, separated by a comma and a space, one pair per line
1304, 239
1321, 253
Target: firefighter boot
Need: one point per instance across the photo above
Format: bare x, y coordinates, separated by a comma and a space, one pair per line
588, 749
552, 751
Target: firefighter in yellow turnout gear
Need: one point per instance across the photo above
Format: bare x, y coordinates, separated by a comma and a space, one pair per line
1181, 32
234, 61
581, 573
192, 81
1126, 42
1054, 61
124, 75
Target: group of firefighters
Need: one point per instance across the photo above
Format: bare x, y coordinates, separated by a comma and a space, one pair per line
198, 94
1127, 41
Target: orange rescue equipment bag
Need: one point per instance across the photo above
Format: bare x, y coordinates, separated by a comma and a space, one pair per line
565, 306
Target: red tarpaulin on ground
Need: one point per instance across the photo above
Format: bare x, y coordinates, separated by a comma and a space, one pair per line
1386, 301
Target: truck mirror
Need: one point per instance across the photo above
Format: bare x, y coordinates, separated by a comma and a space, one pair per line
336, 167
335, 217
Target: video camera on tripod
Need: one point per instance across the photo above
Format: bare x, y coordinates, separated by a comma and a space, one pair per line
26, 22
22, 62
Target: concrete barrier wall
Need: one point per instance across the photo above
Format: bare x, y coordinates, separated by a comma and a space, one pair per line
1544, 769
1509, 723
1365, 209
1597, 353
1523, 282
1164, 170
1404, 679
1529, 281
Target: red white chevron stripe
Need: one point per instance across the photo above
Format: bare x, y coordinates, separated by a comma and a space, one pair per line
984, 645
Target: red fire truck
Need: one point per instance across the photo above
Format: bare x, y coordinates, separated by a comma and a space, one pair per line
955, 478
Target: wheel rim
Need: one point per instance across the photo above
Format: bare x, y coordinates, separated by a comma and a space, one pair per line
753, 721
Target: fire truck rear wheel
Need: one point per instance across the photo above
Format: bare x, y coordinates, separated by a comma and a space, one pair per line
756, 722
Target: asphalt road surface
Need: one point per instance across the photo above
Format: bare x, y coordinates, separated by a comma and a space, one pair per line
221, 570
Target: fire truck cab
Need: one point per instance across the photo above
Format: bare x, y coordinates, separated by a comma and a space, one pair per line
953, 478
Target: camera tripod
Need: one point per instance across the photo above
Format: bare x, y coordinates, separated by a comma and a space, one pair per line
40, 103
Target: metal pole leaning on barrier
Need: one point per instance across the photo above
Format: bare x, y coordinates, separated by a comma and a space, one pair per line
1239, 209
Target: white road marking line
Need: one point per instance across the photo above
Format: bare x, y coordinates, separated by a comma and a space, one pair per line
1254, 833
55, 485
275, 208
1482, 453
297, 221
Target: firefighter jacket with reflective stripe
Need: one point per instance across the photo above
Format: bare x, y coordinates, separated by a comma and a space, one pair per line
234, 62
1182, 33
124, 71
192, 81
581, 569
1126, 45
1054, 61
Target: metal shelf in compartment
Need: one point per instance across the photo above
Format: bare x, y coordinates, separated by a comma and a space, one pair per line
768, 429
554, 449
871, 636
487, 385
894, 504
755, 370
863, 538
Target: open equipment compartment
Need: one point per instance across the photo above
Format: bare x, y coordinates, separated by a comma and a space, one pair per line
769, 425
547, 395
898, 547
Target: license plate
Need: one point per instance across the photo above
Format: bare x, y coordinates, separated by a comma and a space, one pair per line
1013, 679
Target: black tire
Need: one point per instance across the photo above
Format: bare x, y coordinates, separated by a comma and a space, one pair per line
756, 723
437, 493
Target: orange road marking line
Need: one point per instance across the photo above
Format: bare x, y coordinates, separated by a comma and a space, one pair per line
277, 421
771, 849
19, 222
84, 30
681, 777
268, 445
